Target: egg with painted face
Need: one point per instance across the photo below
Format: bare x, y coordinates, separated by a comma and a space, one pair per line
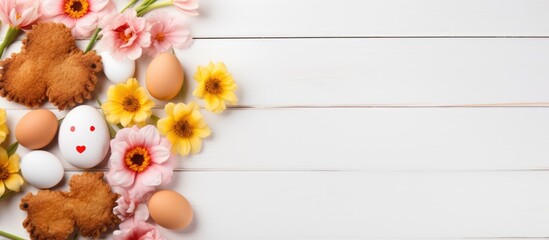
84, 137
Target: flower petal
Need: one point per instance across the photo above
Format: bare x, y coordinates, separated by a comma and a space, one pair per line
123, 178
14, 182
2, 188
141, 213
160, 154
3, 157
13, 164
196, 144
184, 147
150, 177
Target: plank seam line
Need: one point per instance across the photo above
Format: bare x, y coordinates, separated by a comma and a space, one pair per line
340, 107
331, 170
358, 37
18, 40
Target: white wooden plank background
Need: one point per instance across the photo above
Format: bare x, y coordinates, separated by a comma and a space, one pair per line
364, 119
370, 72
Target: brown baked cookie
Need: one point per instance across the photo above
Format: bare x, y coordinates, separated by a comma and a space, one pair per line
49, 66
88, 207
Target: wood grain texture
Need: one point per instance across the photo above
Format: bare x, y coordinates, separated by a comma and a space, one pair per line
353, 205
363, 18
368, 18
362, 119
367, 139
368, 72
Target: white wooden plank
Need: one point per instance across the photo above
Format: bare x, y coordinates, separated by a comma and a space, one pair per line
313, 18
352, 205
367, 18
368, 139
369, 72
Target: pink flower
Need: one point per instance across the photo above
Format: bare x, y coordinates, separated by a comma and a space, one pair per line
188, 7
167, 31
130, 230
19, 13
140, 160
125, 35
137, 228
82, 16
127, 207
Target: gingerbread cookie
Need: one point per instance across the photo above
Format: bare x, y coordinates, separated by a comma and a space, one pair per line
88, 207
49, 66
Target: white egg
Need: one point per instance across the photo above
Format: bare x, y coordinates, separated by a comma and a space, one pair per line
41, 169
117, 71
84, 137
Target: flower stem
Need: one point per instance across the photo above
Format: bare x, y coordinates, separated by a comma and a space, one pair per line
144, 5
130, 4
10, 236
152, 7
93, 40
8, 39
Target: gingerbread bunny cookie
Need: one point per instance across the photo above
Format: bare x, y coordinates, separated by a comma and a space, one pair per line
88, 207
50, 66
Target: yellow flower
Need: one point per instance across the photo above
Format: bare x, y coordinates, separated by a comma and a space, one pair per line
216, 86
184, 127
9, 172
3, 126
127, 104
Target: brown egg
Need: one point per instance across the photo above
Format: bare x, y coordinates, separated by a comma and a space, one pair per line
170, 209
36, 129
164, 77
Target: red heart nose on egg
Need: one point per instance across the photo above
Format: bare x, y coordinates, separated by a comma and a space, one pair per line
80, 149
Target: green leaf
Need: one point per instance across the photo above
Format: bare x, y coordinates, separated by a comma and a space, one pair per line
7, 193
12, 148
112, 131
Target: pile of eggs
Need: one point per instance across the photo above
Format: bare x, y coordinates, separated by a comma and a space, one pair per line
84, 138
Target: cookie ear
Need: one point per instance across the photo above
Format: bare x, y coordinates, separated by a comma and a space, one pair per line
24, 205
92, 61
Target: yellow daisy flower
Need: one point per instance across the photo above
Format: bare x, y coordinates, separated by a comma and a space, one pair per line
9, 172
216, 86
127, 104
184, 127
3, 126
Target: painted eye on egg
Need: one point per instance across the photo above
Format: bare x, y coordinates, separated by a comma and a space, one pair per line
92, 128
73, 128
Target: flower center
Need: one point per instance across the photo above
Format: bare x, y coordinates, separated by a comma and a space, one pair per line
4, 174
76, 8
213, 86
122, 33
130, 104
160, 37
138, 159
183, 129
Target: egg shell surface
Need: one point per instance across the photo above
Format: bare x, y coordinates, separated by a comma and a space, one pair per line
117, 71
84, 137
36, 129
170, 209
41, 169
164, 78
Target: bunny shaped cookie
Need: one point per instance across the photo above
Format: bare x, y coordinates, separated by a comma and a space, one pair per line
50, 66
88, 207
